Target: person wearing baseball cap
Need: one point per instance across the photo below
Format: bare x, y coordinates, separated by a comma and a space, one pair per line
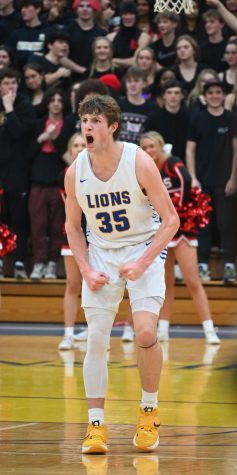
213, 82
211, 157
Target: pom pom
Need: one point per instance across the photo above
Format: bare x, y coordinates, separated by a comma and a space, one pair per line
195, 213
7, 240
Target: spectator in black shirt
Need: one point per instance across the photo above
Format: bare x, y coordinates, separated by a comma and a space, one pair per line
171, 121
45, 204
102, 59
17, 121
34, 87
56, 47
83, 30
135, 109
227, 14
213, 49
188, 62
28, 38
164, 47
212, 162
192, 23
9, 19
129, 37
145, 9
58, 14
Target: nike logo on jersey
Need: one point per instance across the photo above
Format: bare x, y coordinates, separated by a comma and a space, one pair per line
148, 243
81, 181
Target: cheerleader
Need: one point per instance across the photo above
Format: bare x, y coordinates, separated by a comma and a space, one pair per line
73, 276
183, 247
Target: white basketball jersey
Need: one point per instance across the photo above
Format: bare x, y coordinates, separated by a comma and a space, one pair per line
117, 212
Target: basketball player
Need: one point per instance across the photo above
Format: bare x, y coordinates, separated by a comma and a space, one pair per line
118, 187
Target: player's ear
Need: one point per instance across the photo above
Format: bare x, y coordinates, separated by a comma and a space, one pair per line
114, 126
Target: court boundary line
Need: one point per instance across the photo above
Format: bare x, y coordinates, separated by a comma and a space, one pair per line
19, 425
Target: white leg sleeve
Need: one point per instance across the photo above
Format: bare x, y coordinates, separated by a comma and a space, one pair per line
95, 371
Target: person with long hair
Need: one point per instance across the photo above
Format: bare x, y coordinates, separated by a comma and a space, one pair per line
45, 206
231, 100
162, 76
7, 59
73, 276
33, 76
129, 37
145, 60
188, 62
191, 23
102, 63
183, 247
196, 99
145, 11
229, 76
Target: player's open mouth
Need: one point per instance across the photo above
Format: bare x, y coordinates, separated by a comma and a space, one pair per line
89, 139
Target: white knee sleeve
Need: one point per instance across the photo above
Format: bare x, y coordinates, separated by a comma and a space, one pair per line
95, 371
147, 304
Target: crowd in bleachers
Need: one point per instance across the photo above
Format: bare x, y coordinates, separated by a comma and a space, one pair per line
161, 68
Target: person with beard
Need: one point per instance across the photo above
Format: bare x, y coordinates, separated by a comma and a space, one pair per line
129, 37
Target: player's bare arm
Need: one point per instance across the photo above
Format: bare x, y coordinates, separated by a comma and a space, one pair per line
149, 179
94, 279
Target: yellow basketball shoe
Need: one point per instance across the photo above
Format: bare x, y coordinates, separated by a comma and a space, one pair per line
95, 441
146, 438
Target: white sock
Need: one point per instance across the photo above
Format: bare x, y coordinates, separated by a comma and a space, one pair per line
230, 265
204, 265
69, 331
208, 326
163, 325
96, 416
149, 399
19, 263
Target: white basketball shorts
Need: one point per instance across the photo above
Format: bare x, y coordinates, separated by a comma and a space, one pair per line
150, 284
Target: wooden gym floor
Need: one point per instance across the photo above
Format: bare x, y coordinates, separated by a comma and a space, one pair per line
43, 410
